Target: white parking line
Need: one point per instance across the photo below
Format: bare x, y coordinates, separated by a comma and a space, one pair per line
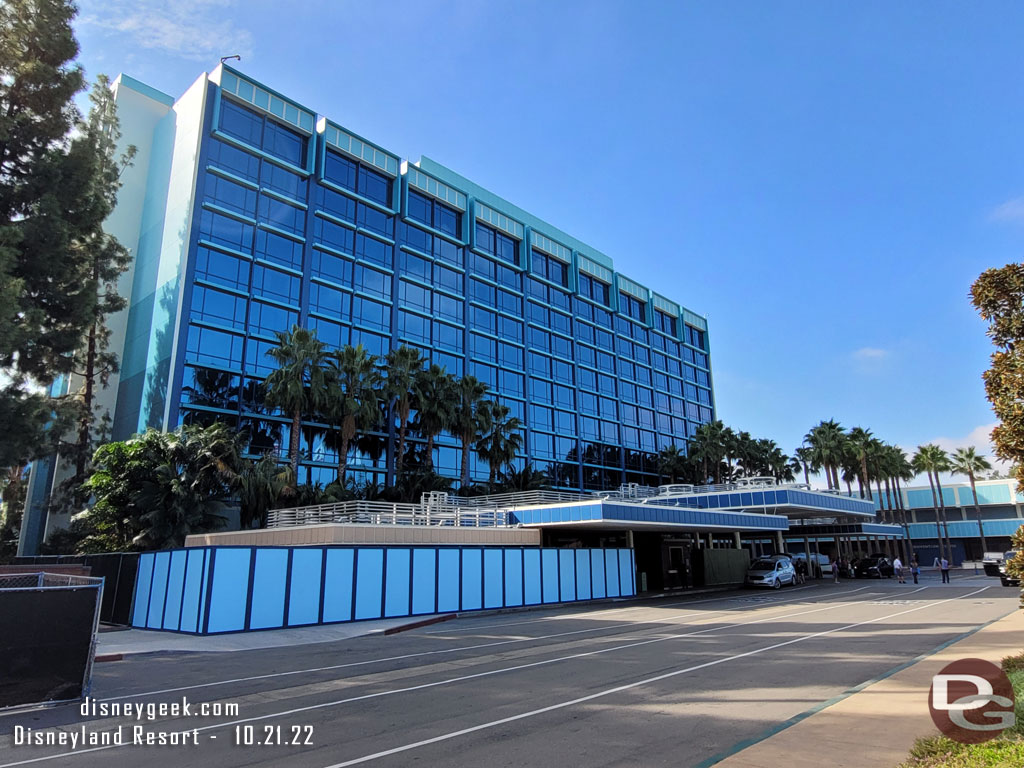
629, 686
438, 683
419, 654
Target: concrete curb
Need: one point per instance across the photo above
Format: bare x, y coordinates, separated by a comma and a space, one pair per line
418, 624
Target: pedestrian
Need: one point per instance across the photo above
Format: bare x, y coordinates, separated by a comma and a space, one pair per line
835, 571
897, 567
944, 567
801, 571
915, 568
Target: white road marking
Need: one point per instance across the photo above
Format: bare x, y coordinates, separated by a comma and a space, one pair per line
621, 688
311, 670
437, 683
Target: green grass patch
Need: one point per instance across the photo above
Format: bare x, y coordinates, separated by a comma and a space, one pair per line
1004, 751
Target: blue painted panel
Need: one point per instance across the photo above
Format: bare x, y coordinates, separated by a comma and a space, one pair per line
448, 580
918, 499
597, 580
193, 591
304, 597
567, 573
513, 577
396, 594
338, 585
626, 572
494, 586
611, 571
424, 580
268, 584
228, 590
175, 585
472, 573
142, 583
583, 574
549, 562
987, 494
531, 574
157, 593
369, 583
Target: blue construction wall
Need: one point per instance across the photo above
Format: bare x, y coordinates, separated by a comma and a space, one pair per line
208, 590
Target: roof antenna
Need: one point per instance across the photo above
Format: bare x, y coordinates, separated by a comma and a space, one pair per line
232, 56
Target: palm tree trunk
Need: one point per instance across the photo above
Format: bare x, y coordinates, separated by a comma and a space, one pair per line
945, 522
860, 486
403, 426
881, 500
935, 506
293, 444
835, 477
430, 453
464, 473
807, 474
977, 513
864, 472
343, 460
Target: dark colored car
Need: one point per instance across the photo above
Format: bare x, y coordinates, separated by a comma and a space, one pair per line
873, 568
1007, 581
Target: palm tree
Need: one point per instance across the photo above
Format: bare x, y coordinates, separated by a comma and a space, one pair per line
501, 437
402, 366
827, 442
525, 479
353, 406
708, 447
804, 455
860, 440
467, 424
966, 461
435, 400
259, 486
671, 463
299, 385
932, 459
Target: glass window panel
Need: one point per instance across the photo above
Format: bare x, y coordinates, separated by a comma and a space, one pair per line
279, 249
371, 313
211, 347
265, 319
218, 307
222, 268
373, 250
224, 230
281, 215
273, 284
340, 170
280, 180
332, 267
233, 159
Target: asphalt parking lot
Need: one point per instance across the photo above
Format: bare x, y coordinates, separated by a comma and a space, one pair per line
679, 682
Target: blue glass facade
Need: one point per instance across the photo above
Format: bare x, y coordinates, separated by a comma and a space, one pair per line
313, 225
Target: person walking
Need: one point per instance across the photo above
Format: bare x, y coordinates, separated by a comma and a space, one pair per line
897, 567
944, 568
915, 568
835, 571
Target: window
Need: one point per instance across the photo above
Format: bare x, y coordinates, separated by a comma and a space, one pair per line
511, 383
447, 337
374, 220
695, 337
233, 159
374, 343
215, 306
448, 308
594, 289
273, 284
482, 292
665, 323
483, 266
332, 334
278, 249
414, 327
263, 132
416, 266
483, 348
329, 266
434, 214
510, 356
281, 215
230, 195
280, 180
330, 301
371, 313
550, 268
447, 251
340, 170
447, 278
497, 244
333, 235
510, 329
222, 268
224, 230
264, 319
483, 319
371, 281
209, 347
373, 250
374, 186
414, 296
632, 307
414, 237
509, 302
357, 178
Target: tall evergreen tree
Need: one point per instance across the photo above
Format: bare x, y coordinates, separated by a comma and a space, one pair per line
47, 204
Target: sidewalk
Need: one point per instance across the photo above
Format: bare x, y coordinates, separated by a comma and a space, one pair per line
876, 726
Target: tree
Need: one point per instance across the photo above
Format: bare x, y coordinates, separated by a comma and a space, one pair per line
932, 460
353, 400
967, 461
105, 260
860, 441
402, 367
500, 439
49, 207
469, 419
707, 446
259, 486
804, 455
435, 399
671, 463
827, 442
998, 295
299, 385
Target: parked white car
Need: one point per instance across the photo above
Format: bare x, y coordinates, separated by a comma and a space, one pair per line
771, 573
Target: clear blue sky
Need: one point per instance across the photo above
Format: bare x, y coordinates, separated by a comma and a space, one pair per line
822, 180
